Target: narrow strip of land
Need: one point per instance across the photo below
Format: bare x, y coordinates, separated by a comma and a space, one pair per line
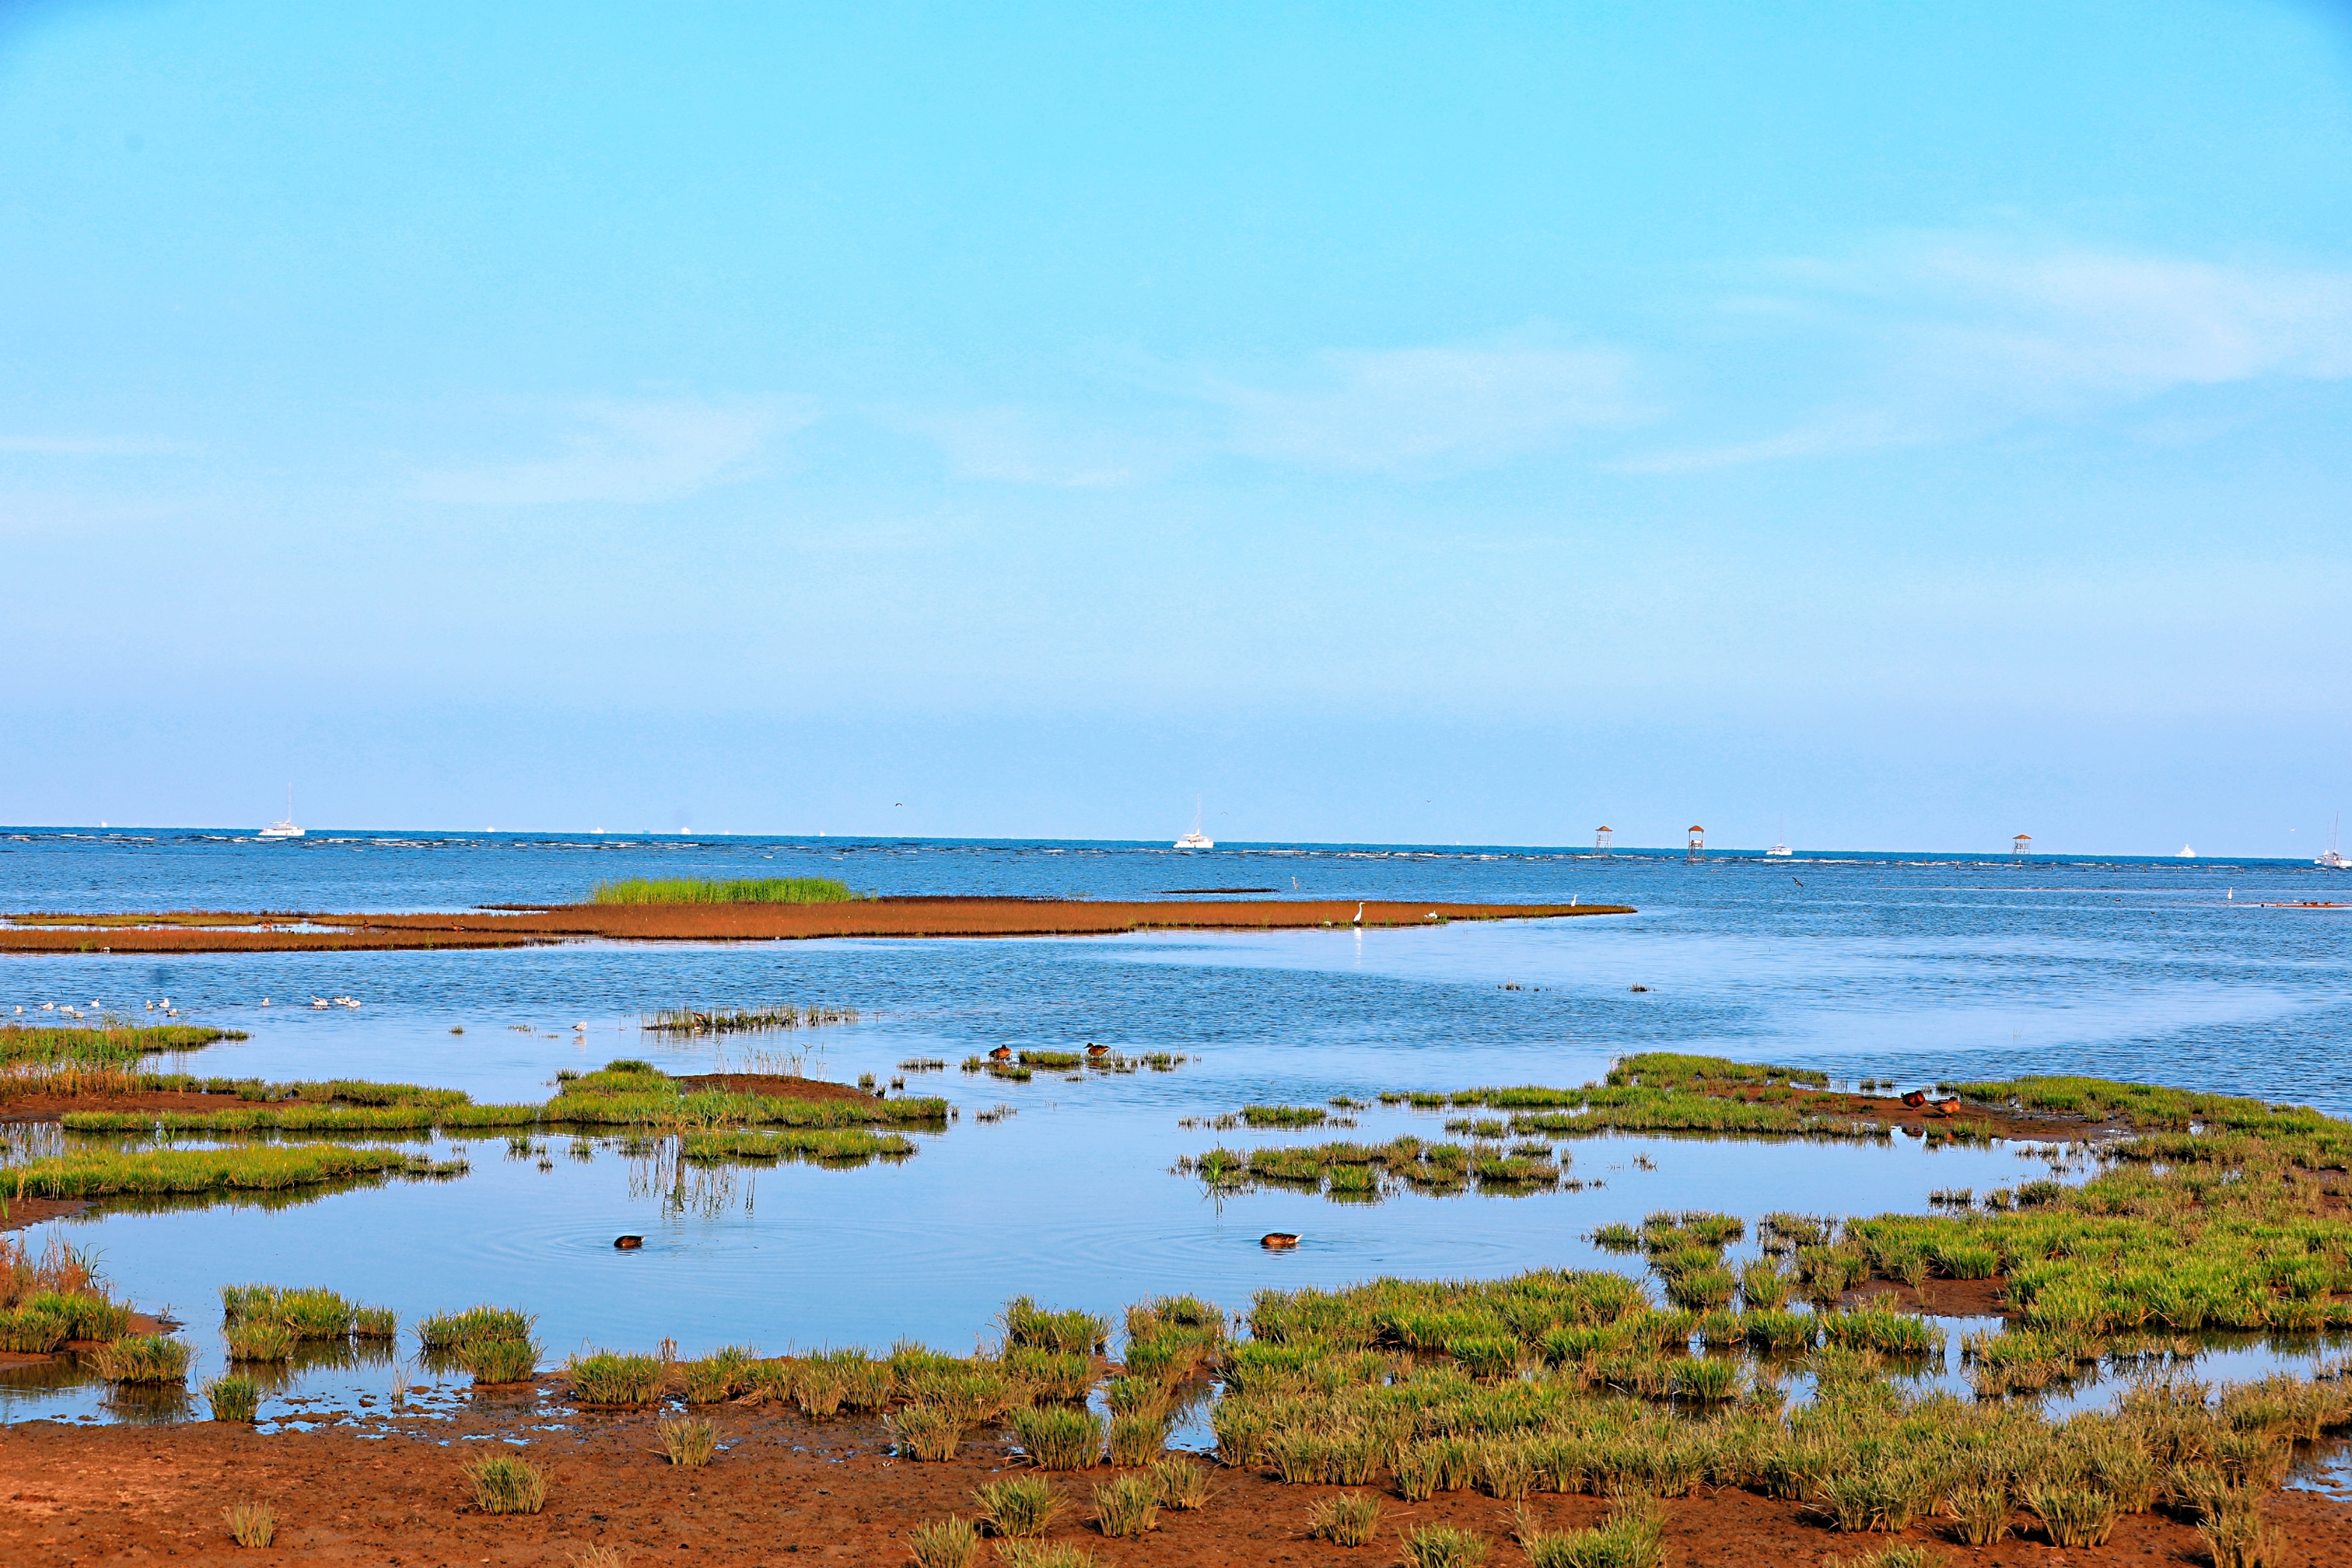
209, 930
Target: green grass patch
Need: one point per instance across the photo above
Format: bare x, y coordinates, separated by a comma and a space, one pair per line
106, 1045
741, 890
92, 1173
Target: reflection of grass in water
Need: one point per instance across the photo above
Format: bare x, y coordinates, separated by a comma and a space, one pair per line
1352, 1172
743, 1020
829, 1146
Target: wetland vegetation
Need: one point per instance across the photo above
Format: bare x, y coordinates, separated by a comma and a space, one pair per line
740, 891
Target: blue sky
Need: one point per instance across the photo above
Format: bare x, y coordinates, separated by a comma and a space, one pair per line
1430, 423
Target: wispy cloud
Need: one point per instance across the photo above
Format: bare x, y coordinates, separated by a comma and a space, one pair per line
1403, 409
1407, 411
94, 446
1022, 446
630, 452
1952, 338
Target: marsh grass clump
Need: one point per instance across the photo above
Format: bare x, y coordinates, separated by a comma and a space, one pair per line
259, 1340
1018, 1506
1443, 1546
1059, 1436
1979, 1514
250, 1523
1904, 1555
2073, 1516
1128, 1506
234, 1397
1628, 1538
506, 1483
1069, 1332
688, 1441
926, 1432
720, 1375
1183, 1485
148, 1359
949, 1542
451, 1332
1043, 1554
1137, 1439
500, 1360
738, 890
1348, 1518
607, 1378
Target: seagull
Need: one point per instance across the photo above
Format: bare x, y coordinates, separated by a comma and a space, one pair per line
582, 1026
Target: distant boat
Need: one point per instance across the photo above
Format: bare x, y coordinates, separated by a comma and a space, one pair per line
2186, 854
284, 826
1780, 851
1196, 839
2332, 860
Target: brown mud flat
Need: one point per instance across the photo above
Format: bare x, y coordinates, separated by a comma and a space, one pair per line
1977, 1119
787, 1490
195, 931
38, 1107
772, 1086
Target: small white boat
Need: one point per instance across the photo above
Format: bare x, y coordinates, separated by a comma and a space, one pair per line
284, 827
2186, 854
1196, 839
1780, 852
2331, 859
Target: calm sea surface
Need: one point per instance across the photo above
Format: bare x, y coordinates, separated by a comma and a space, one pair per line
1903, 967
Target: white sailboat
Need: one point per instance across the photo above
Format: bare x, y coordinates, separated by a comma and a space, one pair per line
2186, 854
284, 827
1781, 850
1196, 839
2331, 858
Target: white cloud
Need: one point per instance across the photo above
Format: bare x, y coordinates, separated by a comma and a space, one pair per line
1952, 338
1020, 446
1403, 409
631, 453
2070, 321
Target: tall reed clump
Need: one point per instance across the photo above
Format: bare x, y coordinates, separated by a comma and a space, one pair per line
506, 1483
1128, 1506
234, 1397
1348, 1518
604, 1377
688, 1442
250, 1523
738, 890
142, 1359
1183, 1485
1018, 1506
949, 1542
925, 1433
1059, 1436
1443, 1546
1628, 1538
1069, 1332
500, 1360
